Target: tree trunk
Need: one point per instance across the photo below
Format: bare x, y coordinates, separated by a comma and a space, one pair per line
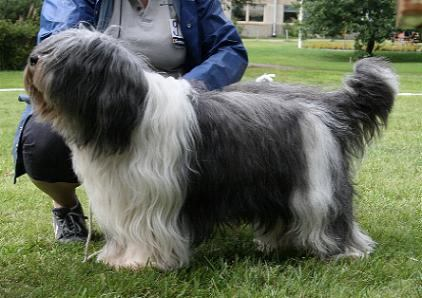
31, 12
370, 46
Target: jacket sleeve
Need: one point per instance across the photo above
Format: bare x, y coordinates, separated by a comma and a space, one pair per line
58, 15
224, 56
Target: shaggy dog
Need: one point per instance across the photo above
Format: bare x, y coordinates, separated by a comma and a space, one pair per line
164, 165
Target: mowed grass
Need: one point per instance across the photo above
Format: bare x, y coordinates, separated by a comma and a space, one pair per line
389, 207
324, 67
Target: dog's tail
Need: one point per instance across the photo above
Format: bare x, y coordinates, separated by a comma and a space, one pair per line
363, 105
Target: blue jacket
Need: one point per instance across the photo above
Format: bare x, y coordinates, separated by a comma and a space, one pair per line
215, 53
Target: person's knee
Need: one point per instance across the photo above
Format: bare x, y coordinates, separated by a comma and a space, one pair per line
46, 157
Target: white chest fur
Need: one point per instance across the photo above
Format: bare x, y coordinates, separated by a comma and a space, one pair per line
136, 196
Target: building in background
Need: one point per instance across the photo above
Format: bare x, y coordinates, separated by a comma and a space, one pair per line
409, 14
266, 18
262, 18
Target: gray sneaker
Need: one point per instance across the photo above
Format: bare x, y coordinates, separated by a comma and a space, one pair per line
69, 224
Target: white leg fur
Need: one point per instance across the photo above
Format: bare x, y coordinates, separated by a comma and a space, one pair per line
137, 196
361, 245
312, 207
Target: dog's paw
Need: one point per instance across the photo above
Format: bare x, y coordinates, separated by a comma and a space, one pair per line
121, 263
130, 256
132, 262
351, 253
265, 246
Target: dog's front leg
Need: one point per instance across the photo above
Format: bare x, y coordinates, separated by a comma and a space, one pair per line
124, 255
138, 244
133, 254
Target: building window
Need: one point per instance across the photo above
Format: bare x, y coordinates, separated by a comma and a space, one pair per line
256, 12
250, 12
238, 11
290, 14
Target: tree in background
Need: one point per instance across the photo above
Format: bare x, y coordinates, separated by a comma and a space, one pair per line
20, 10
19, 23
371, 20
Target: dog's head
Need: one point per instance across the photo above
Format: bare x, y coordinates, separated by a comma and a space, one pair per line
88, 86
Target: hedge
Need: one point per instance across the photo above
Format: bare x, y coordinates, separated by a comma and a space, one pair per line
351, 45
16, 42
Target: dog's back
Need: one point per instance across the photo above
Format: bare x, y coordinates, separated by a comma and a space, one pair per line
362, 106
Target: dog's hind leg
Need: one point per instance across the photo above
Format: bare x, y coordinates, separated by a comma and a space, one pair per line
346, 232
356, 244
322, 212
312, 203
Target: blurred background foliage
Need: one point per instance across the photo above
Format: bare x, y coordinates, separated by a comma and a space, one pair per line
19, 23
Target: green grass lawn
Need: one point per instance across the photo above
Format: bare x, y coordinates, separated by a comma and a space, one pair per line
389, 207
324, 67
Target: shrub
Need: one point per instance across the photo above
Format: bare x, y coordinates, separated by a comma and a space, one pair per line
293, 29
353, 45
399, 46
329, 44
16, 41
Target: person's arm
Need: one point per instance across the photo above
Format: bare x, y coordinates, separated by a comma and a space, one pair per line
224, 56
58, 15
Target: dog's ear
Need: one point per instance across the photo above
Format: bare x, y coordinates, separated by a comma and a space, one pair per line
113, 31
86, 26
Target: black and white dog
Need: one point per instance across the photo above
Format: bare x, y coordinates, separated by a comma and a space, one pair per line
164, 165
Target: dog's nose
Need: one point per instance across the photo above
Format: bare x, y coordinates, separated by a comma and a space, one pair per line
33, 60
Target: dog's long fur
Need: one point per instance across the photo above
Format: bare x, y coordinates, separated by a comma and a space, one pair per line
164, 165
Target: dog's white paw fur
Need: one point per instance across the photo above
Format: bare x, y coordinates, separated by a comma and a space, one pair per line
130, 256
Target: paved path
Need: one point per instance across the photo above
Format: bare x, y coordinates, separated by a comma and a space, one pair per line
12, 90
273, 66
410, 94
